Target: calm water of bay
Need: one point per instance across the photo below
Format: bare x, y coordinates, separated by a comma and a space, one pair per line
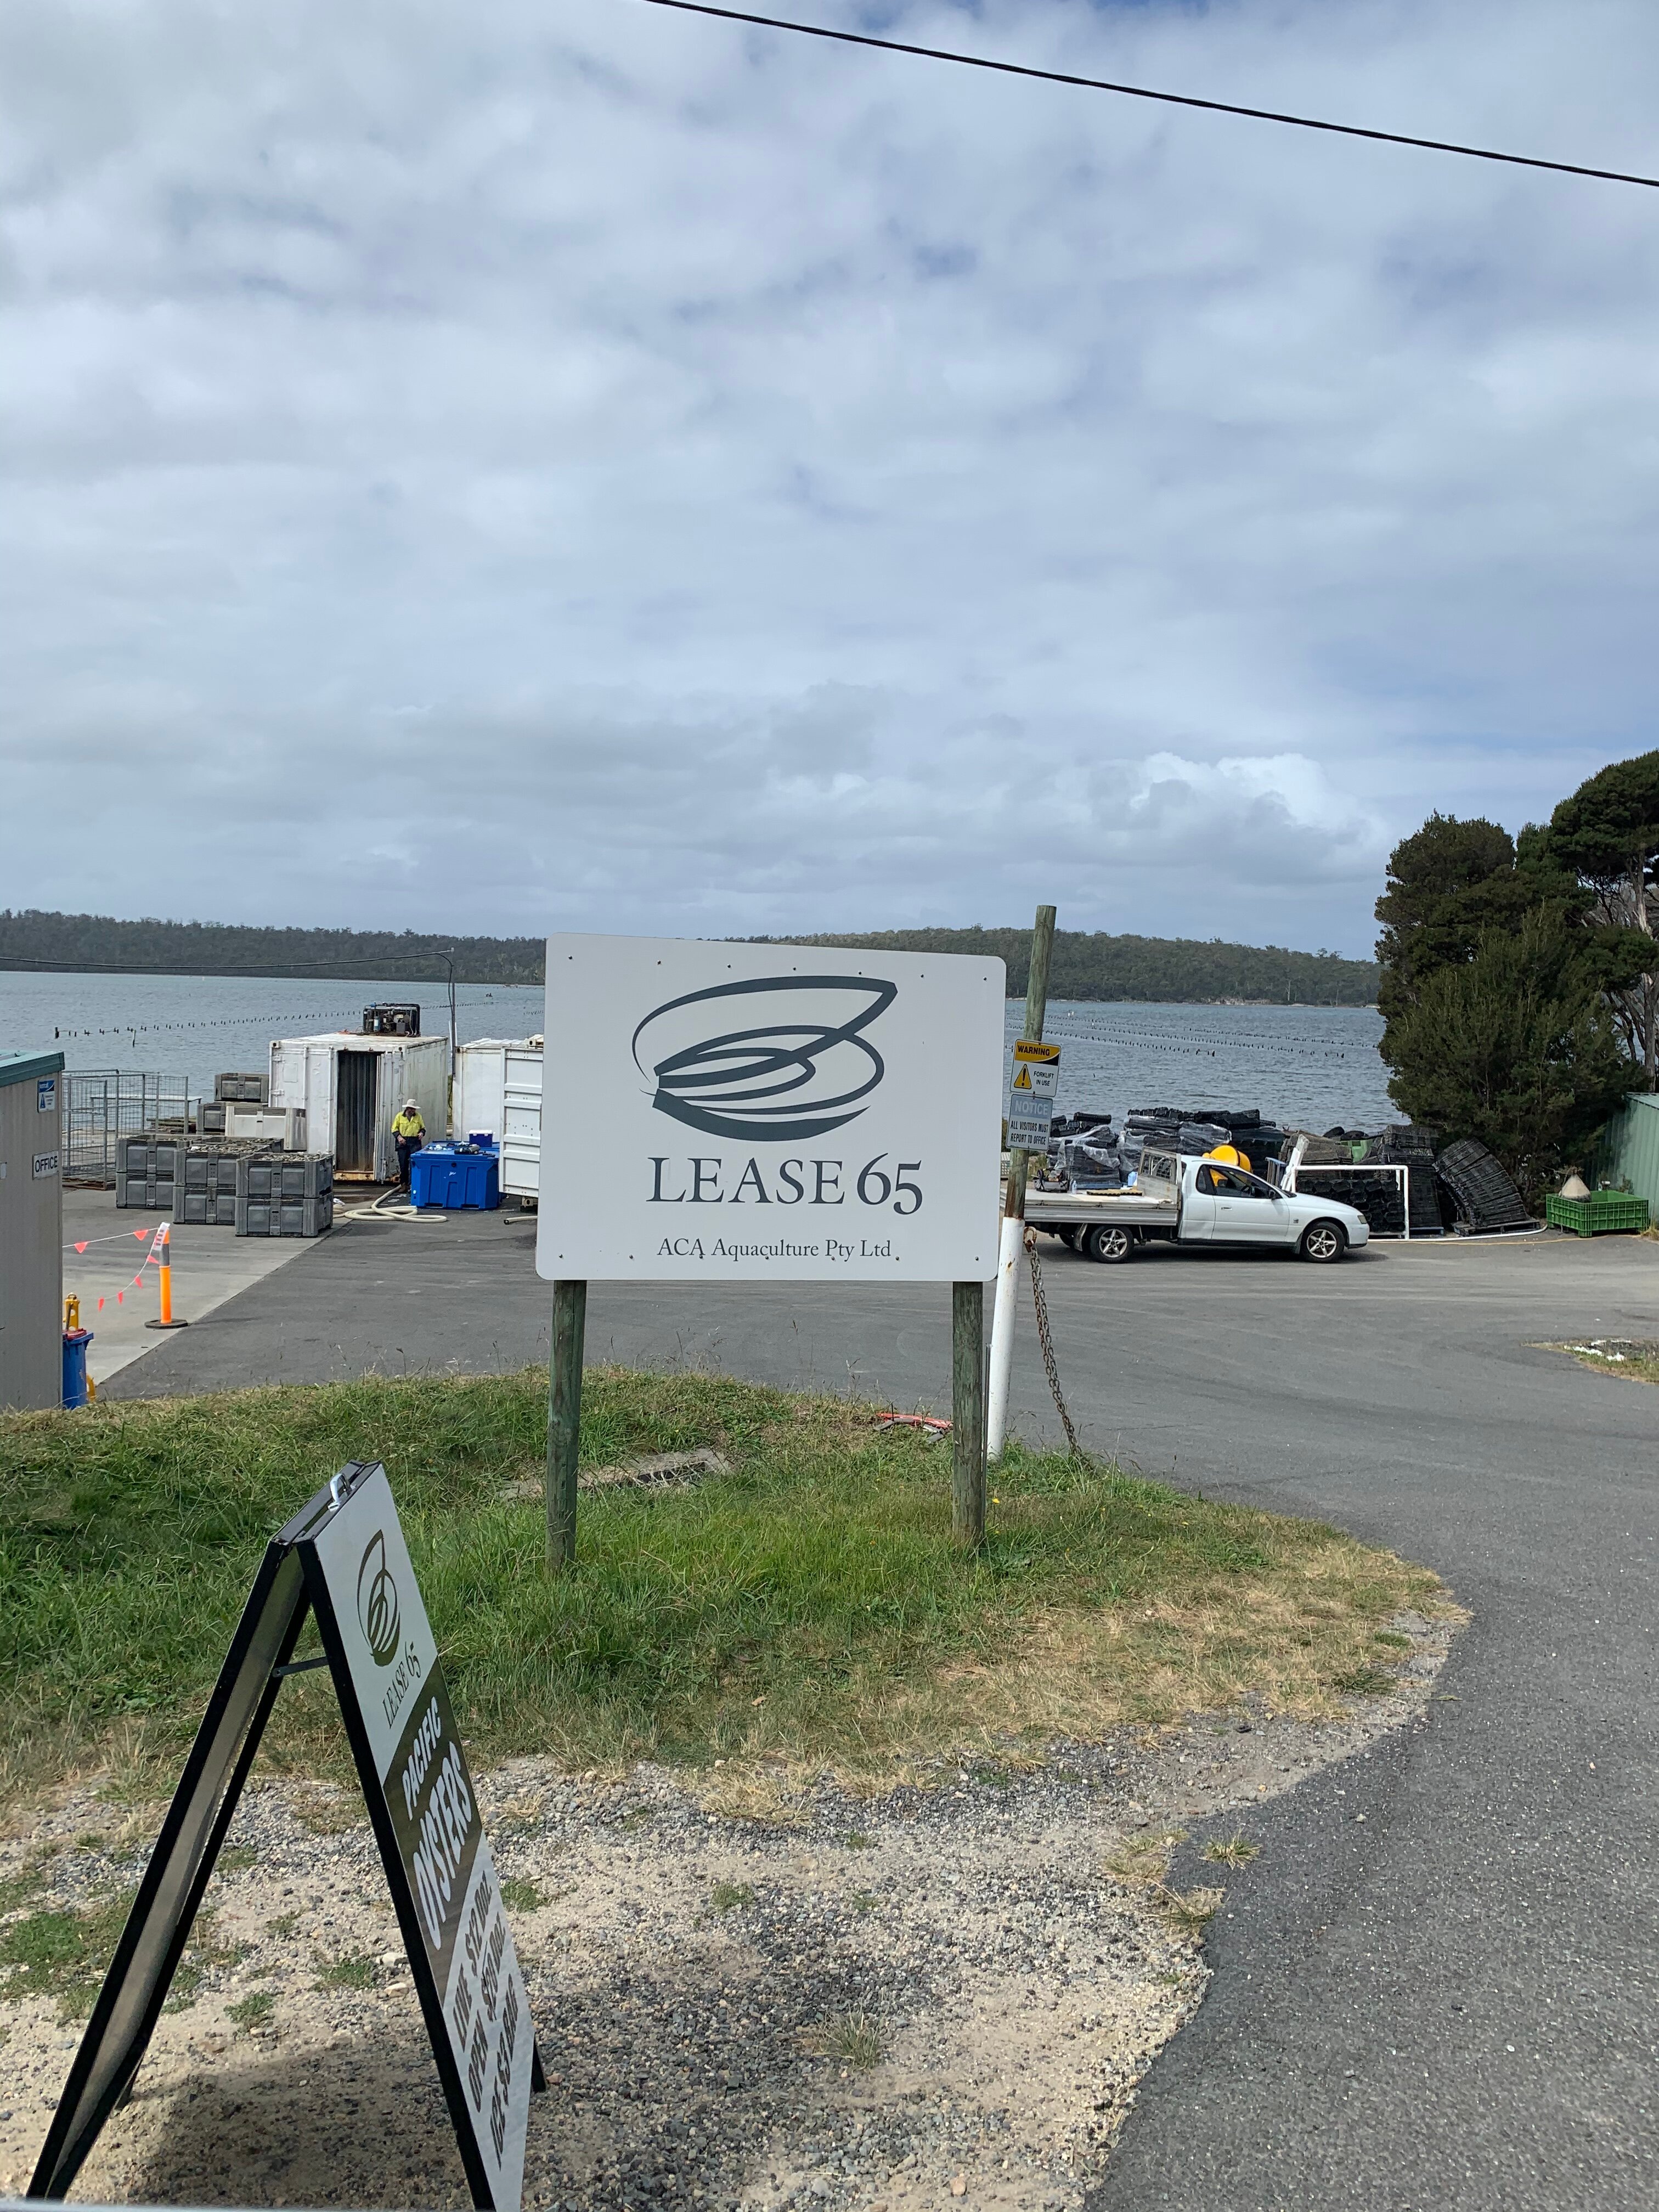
1306, 1068
1312, 1067
200, 1026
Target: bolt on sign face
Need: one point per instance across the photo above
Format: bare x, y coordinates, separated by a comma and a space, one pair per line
768, 1112
343, 1557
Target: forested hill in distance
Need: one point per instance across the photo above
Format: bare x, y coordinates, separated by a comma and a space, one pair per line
1087, 964
1175, 971
213, 948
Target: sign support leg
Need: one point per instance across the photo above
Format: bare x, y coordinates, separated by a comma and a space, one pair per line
564, 1407
968, 1412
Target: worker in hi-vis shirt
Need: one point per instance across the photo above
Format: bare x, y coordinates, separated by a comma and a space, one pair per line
409, 1132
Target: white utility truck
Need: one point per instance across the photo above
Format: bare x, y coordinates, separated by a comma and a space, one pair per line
1175, 1199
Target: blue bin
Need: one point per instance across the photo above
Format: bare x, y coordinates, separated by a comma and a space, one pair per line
76, 1342
454, 1176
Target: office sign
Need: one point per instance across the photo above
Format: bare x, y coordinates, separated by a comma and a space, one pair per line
1031, 1085
768, 1112
344, 1557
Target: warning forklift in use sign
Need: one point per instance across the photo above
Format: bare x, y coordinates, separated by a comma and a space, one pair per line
1031, 1094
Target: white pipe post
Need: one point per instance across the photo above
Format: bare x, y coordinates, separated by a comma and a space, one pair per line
1013, 1213
1002, 1333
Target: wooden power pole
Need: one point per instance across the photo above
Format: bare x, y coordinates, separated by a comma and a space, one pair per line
1013, 1211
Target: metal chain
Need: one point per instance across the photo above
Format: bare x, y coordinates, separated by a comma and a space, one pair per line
1048, 1343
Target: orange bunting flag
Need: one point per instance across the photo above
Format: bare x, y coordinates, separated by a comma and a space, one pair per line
82, 1248
101, 1305
119, 1295
141, 1234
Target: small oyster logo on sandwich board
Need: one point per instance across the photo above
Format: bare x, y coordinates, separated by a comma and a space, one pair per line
376, 1601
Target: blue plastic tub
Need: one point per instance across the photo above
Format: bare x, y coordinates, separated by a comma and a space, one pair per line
454, 1176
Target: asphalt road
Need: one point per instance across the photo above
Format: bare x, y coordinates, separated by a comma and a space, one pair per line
1451, 2001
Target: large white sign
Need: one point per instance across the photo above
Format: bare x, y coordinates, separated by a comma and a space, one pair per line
777, 1112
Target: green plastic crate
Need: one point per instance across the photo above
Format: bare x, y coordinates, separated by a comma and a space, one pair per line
1600, 1214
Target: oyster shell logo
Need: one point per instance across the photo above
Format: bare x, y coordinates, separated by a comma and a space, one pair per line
802, 1070
377, 1602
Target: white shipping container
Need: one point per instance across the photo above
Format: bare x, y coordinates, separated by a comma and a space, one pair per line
351, 1086
498, 1093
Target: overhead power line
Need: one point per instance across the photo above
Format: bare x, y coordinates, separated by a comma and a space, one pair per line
1143, 91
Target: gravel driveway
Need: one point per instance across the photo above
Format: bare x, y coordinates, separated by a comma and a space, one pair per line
949, 1992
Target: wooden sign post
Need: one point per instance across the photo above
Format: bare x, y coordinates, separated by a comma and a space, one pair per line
968, 1484
564, 1414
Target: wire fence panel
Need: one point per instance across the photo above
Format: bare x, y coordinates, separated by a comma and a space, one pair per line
105, 1103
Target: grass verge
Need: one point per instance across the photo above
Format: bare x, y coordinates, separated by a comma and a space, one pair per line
807, 1605
1636, 1360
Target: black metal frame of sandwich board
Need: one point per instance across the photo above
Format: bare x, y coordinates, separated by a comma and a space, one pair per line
288, 1585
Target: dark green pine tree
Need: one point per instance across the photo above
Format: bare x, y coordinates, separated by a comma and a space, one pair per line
1516, 1045
1606, 836
1448, 883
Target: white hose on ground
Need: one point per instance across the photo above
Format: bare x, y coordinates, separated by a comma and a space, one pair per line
383, 1208
1002, 1334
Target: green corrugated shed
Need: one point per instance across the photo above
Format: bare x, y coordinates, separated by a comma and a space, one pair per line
1628, 1146
28, 1067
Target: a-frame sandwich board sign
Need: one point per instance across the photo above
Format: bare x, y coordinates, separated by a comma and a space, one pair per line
343, 1558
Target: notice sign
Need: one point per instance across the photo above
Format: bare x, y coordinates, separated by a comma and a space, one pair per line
342, 1557
420, 1772
1032, 1095
773, 1112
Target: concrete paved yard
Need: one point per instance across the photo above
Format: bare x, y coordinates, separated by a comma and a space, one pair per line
1439, 1984
209, 1266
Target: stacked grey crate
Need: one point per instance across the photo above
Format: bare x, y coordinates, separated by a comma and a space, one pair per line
149, 1172
208, 1195
285, 1194
232, 1090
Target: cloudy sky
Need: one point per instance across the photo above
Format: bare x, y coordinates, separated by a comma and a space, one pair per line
571, 465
